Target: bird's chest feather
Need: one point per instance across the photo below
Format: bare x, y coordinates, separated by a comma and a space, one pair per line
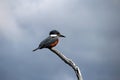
54, 43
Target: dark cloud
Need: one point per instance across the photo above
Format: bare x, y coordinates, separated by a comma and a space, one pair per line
92, 39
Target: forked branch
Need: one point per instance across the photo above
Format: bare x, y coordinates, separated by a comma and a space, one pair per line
69, 62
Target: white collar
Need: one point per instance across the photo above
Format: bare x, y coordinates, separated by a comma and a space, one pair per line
53, 35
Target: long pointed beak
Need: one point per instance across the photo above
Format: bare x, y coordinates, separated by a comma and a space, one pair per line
62, 36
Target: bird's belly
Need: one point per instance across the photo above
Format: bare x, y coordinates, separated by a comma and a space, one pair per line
54, 44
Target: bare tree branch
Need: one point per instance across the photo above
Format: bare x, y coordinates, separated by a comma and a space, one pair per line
69, 62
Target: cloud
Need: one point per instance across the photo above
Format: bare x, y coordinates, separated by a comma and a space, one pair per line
8, 25
92, 38
63, 76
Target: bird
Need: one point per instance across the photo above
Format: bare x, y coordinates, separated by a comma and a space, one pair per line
51, 41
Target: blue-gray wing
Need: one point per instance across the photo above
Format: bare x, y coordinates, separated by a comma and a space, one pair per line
46, 43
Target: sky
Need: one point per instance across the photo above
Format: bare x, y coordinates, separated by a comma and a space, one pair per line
92, 31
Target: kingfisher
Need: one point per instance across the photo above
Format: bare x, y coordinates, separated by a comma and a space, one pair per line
51, 41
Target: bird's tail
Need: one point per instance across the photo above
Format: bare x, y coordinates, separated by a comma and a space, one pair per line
35, 49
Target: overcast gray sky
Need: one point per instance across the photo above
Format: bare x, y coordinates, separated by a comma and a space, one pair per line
92, 29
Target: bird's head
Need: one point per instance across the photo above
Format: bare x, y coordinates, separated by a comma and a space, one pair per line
55, 33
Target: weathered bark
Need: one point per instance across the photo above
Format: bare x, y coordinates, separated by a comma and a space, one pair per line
69, 62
